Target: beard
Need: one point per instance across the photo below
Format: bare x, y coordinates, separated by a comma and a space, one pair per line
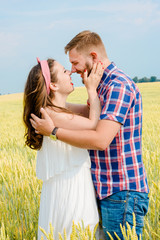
89, 69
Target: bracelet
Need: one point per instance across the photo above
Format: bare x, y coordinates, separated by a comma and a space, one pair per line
53, 134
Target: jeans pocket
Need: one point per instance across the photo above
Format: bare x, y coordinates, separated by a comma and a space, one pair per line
112, 214
140, 210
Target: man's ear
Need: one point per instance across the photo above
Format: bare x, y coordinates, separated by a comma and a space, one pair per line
53, 87
94, 56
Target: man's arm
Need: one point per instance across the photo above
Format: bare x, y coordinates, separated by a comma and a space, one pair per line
98, 139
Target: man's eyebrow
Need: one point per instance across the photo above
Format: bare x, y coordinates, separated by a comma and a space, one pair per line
74, 62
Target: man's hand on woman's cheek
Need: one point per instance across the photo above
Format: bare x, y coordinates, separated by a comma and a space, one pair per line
42, 125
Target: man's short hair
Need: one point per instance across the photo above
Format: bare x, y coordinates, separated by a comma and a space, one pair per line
84, 40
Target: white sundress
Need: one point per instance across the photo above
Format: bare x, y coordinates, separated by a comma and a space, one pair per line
67, 193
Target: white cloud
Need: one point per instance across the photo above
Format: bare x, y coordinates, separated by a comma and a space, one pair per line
139, 21
136, 13
136, 6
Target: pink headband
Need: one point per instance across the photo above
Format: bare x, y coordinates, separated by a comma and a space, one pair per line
46, 73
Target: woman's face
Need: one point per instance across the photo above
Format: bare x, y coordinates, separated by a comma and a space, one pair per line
64, 83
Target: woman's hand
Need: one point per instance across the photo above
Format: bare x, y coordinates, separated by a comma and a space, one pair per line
42, 125
92, 81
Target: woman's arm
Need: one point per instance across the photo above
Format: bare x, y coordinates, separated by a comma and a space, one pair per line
77, 122
81, 109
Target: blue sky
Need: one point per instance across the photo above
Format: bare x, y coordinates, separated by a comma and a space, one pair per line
130, 31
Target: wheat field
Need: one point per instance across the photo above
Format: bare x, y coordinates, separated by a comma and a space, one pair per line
19, 188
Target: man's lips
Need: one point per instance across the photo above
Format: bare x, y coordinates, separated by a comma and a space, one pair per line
80, 73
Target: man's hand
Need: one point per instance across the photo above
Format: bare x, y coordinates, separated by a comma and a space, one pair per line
42, 126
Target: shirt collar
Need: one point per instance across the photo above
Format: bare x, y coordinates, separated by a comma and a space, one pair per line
107, 73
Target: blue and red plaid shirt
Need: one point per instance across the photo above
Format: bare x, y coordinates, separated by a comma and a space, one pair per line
120, 166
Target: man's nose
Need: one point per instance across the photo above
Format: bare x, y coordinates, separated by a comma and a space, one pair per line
73, 69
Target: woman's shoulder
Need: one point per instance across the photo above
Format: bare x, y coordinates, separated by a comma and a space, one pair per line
54, 113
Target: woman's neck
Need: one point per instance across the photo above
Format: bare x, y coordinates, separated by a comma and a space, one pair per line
59, 100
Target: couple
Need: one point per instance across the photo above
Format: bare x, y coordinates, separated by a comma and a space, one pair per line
111, 130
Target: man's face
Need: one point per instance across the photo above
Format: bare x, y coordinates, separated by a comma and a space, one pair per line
80, 62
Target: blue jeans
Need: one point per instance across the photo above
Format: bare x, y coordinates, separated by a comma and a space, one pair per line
119, 207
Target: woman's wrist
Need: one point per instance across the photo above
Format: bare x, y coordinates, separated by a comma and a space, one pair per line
92, 92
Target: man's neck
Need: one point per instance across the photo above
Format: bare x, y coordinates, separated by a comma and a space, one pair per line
106, 63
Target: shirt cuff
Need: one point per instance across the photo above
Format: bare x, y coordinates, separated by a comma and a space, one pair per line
112, 118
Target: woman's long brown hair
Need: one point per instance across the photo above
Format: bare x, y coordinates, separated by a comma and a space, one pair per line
35, 97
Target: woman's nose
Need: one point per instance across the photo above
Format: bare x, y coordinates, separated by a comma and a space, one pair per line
69, 72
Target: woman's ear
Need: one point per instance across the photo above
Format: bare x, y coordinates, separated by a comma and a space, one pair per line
53, 87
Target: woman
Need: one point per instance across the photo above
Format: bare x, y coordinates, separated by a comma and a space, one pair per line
67, 191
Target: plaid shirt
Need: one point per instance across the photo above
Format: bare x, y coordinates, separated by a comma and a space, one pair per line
120, 166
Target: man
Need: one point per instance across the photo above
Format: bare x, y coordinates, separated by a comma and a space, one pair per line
117, 168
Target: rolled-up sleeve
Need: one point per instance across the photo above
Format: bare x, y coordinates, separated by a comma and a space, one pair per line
116, 103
